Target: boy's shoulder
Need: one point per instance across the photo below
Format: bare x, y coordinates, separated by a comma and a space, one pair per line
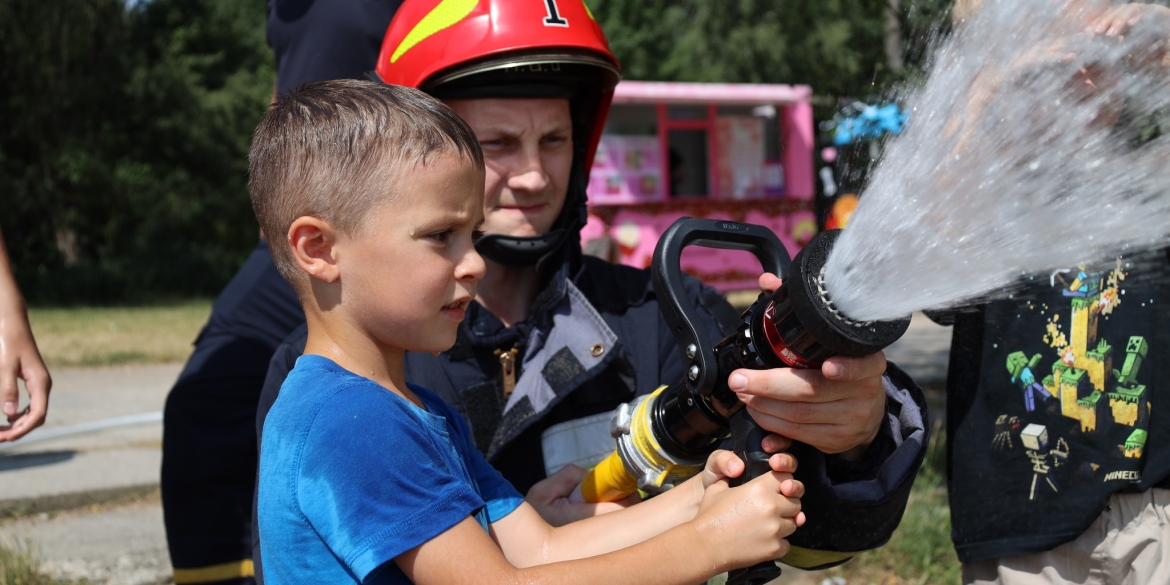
318, 374
316, 382
320, 400
353, 474
324, 410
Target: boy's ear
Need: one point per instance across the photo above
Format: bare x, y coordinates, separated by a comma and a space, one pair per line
312, 241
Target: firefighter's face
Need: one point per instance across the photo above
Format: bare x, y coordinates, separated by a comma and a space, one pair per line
528, 151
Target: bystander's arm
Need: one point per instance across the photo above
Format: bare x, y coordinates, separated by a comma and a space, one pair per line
19, 358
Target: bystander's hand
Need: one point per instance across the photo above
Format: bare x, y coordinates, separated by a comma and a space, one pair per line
838, 409
19, 358
1150, 20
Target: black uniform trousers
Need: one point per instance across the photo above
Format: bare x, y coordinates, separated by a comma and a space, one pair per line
209, 432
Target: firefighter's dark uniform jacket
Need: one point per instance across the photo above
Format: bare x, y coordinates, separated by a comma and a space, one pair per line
596, 339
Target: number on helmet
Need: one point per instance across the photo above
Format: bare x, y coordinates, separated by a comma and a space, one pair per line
554, 17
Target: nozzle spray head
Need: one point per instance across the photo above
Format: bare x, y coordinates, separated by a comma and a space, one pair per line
802, 325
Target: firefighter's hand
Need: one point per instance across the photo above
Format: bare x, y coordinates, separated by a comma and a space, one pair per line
550, 497
837, 410
19, 358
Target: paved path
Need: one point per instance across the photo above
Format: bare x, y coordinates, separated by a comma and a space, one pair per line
120, 546
126, 545
112, 458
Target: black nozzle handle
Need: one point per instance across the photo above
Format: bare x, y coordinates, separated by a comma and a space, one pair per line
702, 370
672, 298
746, 437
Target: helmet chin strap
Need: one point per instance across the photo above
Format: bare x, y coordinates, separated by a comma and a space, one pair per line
519, 251
529, 250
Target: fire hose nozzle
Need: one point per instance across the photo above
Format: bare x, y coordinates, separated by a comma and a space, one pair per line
664, 438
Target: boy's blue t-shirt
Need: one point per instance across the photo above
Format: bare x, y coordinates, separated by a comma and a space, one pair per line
353, 475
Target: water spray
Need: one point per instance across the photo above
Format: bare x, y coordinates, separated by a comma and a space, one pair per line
1034, 144
667, 437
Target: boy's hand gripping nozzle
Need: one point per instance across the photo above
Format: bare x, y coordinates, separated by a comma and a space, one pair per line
666, 437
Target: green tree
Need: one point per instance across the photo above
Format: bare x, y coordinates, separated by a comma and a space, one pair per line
833, 45
125, 129
61, 64
123, 163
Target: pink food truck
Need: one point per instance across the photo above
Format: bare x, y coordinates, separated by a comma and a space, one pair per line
742, 152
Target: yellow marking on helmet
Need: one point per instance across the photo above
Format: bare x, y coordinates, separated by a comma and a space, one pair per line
587, 11
447, 13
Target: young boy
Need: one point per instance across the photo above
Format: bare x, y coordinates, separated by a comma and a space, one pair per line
376, 192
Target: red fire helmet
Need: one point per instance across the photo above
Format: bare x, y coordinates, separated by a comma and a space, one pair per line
506, 48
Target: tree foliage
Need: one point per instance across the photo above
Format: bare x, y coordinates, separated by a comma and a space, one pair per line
836, 46
126, 122
123, 153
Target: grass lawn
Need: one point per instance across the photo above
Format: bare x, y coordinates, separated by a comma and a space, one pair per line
106, 336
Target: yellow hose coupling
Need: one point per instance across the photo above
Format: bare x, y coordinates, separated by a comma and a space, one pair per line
639, 462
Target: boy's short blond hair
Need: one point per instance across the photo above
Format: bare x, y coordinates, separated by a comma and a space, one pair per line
334, 150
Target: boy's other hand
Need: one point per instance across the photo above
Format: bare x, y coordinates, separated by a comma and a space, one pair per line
749, 524
723, 464
837, 410
550, 497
